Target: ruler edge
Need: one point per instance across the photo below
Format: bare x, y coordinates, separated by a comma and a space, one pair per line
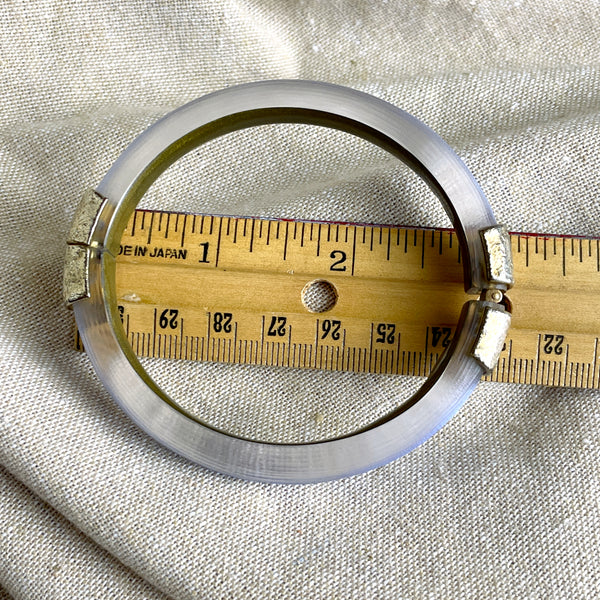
359, 224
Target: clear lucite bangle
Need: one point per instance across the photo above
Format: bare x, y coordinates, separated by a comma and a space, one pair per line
103, 213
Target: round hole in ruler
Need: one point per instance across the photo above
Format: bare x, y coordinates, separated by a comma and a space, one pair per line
319, 296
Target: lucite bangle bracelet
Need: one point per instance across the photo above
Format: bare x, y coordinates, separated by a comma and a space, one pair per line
89, 280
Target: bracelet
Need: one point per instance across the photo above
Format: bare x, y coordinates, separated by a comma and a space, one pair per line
89, 279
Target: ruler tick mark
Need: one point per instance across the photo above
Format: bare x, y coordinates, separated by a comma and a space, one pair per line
319, 239
180, 337
252, 236
183, 230
154, 331
353, 251
235, 333
262, 339
218, 243
150, 229
206, 345
595, 363
370, 348
396, 368
135, 214
537, 356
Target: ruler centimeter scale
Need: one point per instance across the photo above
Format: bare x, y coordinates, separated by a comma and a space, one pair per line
238, 290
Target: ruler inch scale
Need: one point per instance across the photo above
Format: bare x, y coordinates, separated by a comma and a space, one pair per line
238, 290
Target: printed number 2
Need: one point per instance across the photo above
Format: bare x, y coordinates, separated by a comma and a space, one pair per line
440, 334
222, 322
386, 333
277, 326
168, 318
338, 264
553, 344
331, 327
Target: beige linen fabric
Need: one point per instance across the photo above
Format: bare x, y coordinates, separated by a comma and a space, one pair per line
44, 555
4, 595
502, 503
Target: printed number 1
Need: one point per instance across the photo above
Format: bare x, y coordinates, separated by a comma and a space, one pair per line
204, 246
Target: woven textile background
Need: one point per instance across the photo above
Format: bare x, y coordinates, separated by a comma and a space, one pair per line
503, 503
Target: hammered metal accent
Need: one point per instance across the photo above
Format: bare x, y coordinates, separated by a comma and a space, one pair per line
491, 336
498, 252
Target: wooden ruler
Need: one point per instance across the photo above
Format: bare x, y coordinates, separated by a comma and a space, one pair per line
245, 290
